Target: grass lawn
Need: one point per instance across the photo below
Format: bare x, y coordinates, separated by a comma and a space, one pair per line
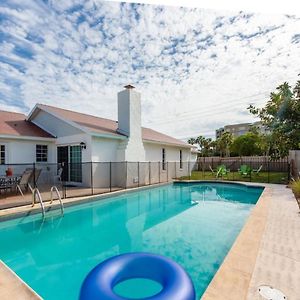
272, 177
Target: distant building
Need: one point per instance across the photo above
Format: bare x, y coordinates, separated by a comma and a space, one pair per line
219, 132
239, 129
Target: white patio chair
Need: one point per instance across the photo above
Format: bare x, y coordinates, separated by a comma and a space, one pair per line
24, 181
59, 173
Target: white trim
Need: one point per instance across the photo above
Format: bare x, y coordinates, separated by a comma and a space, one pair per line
108, 136
40, 144
30, 115
68, 144
168, 144
25, 137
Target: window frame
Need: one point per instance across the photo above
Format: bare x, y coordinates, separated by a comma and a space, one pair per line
180, 159
2, 154
163, 159
39, 154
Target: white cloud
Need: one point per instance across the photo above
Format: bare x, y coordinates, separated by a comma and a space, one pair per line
278, 7
195, 68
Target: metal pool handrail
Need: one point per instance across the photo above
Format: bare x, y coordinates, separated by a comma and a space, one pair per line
35, 193
54, 189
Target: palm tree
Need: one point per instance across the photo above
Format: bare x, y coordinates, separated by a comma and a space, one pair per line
207, 145
192, 141
200, 140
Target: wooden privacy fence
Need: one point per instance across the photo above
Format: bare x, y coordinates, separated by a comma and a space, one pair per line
234, 163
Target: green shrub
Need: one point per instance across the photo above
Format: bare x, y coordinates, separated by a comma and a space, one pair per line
296, 188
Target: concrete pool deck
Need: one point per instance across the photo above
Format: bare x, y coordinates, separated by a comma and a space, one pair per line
266, 252
12, 287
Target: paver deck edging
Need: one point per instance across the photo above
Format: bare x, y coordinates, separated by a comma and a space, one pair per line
13, 287
232, 280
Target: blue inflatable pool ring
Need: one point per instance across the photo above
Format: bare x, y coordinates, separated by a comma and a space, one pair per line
100, 282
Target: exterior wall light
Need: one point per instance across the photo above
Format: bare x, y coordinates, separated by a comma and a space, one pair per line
82, 145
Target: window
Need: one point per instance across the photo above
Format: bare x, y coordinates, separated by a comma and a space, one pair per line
41, 153
180, 159
2, 154
163, 158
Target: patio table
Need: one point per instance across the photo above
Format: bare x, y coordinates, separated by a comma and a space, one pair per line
8, 182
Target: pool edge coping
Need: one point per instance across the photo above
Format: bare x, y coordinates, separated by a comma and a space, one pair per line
232, 279
18, 288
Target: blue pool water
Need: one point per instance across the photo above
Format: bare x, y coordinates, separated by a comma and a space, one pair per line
193, 224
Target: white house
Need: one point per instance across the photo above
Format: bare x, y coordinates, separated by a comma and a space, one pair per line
51, 135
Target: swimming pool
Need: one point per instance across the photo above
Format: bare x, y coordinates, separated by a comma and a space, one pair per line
193, 224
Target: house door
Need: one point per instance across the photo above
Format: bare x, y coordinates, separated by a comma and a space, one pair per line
71, 159
63, 160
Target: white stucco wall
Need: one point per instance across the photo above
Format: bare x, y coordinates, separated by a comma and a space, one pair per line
21, 154
193, 156
154, 152
104, 149
23, 151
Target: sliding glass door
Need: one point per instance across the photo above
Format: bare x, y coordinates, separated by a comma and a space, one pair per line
75, 164
71, 159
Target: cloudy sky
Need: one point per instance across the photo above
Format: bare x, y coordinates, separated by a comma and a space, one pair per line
197, 69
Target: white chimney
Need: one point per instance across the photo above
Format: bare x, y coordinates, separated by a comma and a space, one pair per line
129, 124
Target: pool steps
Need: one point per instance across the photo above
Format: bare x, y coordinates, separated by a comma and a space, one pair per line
36, 193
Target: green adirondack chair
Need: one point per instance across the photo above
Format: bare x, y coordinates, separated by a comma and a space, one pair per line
222, 171
212, 170
256, 171
245, 171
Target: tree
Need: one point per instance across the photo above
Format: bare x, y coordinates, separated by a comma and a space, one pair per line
200, 140
223, 143
192, 141
281, 115
265, 143
247, 144
206, 145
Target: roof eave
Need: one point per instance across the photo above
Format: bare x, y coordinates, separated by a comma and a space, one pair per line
108, 136
168, 144
27, 137
32, 112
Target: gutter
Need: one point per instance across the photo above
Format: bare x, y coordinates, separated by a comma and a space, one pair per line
168, 144
25, 137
